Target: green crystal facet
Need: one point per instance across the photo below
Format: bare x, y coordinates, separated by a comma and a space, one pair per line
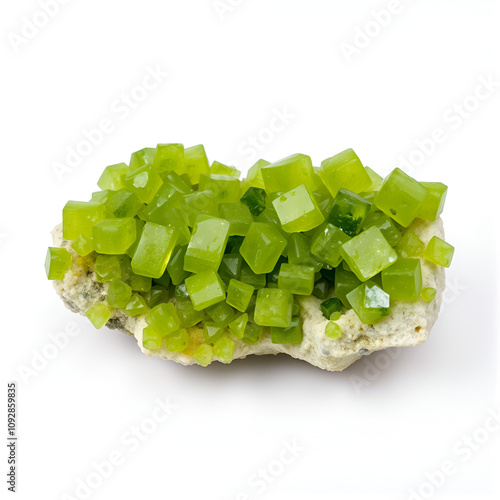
99, 315
403, 279
114, 236
332, 330
439, 252
144, 182
205, 289
410, 245
298, 210
239, 217
289, 173
348, 212
203, 354
79, 218
57, 262
177, 341
255, 199
239, 294
206, 248
326, 244
154, 249
368, 253
344, 170
262, 247
224, 349
370, 302
163, 318
434, 202
290, 335
330, 307
119, 294
107, 268
401, 197
111, 178
196, 163
297, 279
273, 307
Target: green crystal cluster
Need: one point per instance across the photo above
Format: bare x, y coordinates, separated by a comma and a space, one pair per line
184, 242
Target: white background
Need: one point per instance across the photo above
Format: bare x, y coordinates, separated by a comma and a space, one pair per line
365, 433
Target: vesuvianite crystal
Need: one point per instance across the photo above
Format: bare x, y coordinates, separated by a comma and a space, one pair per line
212, 263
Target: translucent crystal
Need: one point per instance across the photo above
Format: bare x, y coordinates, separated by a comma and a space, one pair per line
225, 187
57, 262
238, 325
298, 210
288, 173
327, 242
99, 315
141, 158
79, 218
107, 268
262, 247
203, 354
370, 302
439, 252
239, 217
206, 248
403, 279
428, 294
169, 157
331, 306
273, 307
255, 199
163, 318
156, 295
349, 211
224, 350
119, 294
332, 330
410, 245
368, 253
290, 335
136, 306
151, 339
154, 250
297, 279
345, 282
433, 204
401, 197
114, 236
221, 314
111, 178
144, 182
205, 289
177, 341
196, 163
239, 294
344, 170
